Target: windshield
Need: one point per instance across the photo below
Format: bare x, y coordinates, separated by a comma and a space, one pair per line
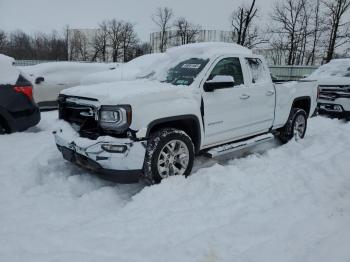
334, 68
177, 71
185, 72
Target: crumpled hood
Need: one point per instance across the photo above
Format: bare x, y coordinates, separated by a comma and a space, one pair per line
123, 92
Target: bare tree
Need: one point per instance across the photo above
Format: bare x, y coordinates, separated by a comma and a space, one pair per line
143, 49
100, 43
290, 18
304, 35
278, 50
338, 30
40, 46
57, 47
128, 41
316, 32
162, 18
78, 46
3, 40
20, 45
244, 32
186, 31
115, 30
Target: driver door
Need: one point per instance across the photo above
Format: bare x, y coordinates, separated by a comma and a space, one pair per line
227, 113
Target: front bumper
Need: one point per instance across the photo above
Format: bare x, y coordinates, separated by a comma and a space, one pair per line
340, 110
123, 167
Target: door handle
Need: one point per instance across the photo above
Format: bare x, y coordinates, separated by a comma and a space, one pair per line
270, 93
244, 96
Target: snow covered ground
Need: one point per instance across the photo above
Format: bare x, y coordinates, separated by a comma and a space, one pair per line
278, 203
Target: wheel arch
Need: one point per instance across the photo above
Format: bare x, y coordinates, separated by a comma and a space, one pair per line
304, 103
190, 124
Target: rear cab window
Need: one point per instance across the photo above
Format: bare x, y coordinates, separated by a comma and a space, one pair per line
259, 73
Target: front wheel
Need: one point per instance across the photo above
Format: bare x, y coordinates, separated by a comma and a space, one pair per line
169, 152
295, 127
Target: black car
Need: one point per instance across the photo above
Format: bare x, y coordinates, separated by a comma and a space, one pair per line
18, 110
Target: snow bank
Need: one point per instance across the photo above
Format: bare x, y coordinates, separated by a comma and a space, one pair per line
289, 203
65, 72
8, 73
127, 71
208, 49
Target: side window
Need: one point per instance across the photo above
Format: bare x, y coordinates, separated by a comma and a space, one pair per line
231, 67
257, 70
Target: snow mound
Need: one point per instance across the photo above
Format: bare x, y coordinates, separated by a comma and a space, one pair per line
56, 66
8, 73
127, 71
65, 72
289, 203
208, 49
337, 68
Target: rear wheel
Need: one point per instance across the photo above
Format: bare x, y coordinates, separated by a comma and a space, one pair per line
170, 152
295, 127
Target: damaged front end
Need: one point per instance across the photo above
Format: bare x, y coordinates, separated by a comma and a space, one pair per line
98, 138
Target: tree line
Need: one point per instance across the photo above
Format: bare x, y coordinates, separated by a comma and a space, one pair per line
299, 32
40, 46
113, 41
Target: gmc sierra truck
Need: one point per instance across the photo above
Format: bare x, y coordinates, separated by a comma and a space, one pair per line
207, 98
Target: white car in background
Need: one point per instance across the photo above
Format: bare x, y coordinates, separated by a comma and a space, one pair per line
128, 71
51, 78
334, 83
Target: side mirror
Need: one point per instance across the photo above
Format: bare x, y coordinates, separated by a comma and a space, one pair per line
39, 79
219, 82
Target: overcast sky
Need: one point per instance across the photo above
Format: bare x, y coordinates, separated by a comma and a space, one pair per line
45, 15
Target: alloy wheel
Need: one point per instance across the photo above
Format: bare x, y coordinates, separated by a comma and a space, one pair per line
173, 159
299, 127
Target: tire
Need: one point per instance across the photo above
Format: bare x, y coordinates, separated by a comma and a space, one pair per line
295, 127
2, 130
169, 152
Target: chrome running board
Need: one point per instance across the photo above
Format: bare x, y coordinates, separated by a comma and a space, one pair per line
235, 146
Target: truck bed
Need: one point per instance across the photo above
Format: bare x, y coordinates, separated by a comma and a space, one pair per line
289, 92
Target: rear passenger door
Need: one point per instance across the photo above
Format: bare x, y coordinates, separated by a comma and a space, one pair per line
262, 95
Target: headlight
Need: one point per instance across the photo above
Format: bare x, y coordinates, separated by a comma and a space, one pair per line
116, 118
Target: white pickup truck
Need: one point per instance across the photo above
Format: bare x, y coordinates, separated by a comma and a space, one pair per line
334, 82
201, 98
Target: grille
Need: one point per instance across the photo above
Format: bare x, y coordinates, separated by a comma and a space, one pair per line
77, 114
331, 93
82, 116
